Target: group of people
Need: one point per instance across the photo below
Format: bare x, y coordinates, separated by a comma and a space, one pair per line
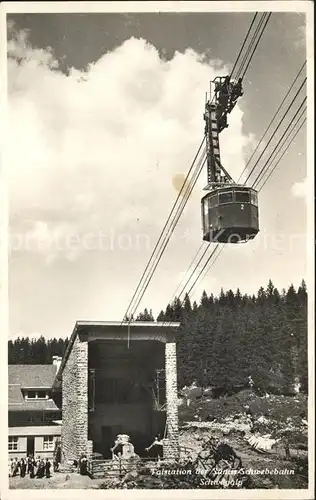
125, 449
39, 467
82, 465
30, 466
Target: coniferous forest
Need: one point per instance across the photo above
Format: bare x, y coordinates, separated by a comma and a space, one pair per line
223, 340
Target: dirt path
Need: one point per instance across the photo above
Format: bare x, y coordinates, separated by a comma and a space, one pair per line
57, 481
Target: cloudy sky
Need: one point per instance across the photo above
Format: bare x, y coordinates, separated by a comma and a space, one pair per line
105, 116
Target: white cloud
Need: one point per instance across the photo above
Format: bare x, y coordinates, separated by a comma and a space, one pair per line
299, 189
100, 148
300, 37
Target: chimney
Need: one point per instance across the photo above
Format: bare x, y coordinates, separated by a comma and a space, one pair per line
57, 362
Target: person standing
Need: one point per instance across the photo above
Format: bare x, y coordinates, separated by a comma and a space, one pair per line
15, 467
156, 447
47, 468
57, 455
83, 465
31, 467
22, 467
10, 467
28, 462
40, 468
117, 449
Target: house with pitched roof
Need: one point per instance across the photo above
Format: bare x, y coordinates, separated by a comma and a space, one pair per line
34, 417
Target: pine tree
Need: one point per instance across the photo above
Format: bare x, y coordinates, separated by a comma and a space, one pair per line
145, 316
177, 310
261, 296
187, 305
161, 316
222, 298
169, 314
230, 299
204, 299
276, 297
302, 337
238, 297
270, 290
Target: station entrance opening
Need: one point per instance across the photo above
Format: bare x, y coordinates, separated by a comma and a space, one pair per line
126, 393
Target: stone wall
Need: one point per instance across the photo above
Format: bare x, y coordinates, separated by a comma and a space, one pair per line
171, 442
74, 434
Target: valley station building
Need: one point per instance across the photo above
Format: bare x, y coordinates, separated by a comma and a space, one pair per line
116, 378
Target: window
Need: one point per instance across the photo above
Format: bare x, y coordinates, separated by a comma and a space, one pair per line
242, 196
37, 394
13, 443
213, 200
205, 215
225, 197
253, 198
48, 443
30, 394
205, 206
42, 394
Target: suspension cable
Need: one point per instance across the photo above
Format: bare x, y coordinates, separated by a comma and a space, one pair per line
167, 238
207, 261
192, 274
285, 150
255, 47
252, 41
163, 230
277, 145
280, 145
272, 120
175, 293
280, 123
282, 141
242, 47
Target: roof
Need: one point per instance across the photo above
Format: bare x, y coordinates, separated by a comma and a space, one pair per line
30, 377
15, 394
36, 430
148, 324
33, 405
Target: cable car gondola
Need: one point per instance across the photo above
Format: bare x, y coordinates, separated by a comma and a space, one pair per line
230, 214
229, 210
